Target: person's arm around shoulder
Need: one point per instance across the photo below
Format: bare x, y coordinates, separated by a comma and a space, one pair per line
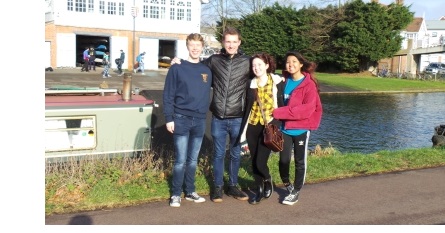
175, 60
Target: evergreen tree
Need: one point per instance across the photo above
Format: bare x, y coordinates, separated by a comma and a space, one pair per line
368, 33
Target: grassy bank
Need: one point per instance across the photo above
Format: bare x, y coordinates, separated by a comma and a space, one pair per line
100, 182
95, 183
367, 82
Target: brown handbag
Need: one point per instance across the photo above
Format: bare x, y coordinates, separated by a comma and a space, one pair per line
273, 137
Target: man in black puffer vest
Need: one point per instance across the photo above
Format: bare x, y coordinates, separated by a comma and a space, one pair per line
231, 72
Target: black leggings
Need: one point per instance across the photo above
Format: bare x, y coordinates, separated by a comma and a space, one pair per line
259, 152
299, 144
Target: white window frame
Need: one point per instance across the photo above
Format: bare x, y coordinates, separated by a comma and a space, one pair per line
111, 8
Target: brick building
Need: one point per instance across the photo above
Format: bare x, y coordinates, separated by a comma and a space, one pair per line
158, 27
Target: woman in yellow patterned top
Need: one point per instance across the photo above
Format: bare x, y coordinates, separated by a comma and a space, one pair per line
265, 86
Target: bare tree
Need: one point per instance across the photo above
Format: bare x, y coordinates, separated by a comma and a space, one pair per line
219, 10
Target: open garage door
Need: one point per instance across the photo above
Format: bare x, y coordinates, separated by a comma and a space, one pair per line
66, 50
151, 48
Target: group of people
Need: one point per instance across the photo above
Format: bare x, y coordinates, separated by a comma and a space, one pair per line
245, 89
89, 57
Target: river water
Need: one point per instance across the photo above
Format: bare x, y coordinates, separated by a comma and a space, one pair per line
367, 123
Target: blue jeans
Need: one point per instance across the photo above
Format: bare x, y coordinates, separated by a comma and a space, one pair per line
187, 136
141, 67
220, 129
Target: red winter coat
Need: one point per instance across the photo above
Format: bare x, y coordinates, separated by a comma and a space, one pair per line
304, 109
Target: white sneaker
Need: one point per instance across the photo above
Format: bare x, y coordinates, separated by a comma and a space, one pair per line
143, 73
175, 201
109, 76
194, 197
134, 71
103, 76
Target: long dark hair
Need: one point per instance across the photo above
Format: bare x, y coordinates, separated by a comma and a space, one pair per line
308, 66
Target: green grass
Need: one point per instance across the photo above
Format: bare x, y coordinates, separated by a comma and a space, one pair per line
371, 83
141, 181
366, 82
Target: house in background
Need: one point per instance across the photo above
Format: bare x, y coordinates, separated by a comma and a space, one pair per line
158, 27
423, 43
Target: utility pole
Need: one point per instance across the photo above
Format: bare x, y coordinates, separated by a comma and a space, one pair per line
134, 13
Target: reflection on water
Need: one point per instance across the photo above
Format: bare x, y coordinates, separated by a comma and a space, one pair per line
368, 123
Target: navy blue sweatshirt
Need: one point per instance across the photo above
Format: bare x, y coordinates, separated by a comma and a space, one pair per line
187, 90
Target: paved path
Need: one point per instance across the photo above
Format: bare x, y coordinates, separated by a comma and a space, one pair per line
414, 197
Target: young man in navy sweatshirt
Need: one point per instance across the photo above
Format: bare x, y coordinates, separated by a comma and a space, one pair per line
186, 100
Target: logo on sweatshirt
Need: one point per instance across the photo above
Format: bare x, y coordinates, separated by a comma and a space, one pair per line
204, 77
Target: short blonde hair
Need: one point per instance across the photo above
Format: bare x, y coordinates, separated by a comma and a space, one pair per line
195, 36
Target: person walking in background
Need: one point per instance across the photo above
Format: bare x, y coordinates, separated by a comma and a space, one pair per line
92, 58
186, 99
86, 56
140, 62
300, 115
121, 61
106, 62
264, 94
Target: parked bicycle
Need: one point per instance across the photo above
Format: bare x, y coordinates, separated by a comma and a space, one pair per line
384, 73
426, 76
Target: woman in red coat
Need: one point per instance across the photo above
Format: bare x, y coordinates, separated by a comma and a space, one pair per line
301, 114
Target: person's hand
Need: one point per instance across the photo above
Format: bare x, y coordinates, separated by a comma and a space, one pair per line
170, 126
175, 60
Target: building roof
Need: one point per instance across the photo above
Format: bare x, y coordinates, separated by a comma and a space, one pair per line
415, 25
435, 24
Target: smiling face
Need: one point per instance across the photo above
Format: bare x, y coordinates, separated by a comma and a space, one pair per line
195, 45
293, 65
231, 44
259, 67
195, 48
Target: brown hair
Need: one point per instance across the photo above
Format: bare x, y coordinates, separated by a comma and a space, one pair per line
194, 36
231, 31
268, 59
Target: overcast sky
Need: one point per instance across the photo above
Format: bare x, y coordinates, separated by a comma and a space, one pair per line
433, 9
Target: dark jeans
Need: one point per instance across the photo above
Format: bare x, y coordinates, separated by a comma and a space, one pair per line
85, 65
221, 128
299, 144
92, 63
119, 67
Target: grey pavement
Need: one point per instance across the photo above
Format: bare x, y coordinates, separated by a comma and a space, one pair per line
152, 80
415, 197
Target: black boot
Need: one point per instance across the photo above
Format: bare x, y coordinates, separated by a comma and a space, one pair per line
259, 194
268, 188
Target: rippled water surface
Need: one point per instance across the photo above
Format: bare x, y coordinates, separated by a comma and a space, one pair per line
369, 123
